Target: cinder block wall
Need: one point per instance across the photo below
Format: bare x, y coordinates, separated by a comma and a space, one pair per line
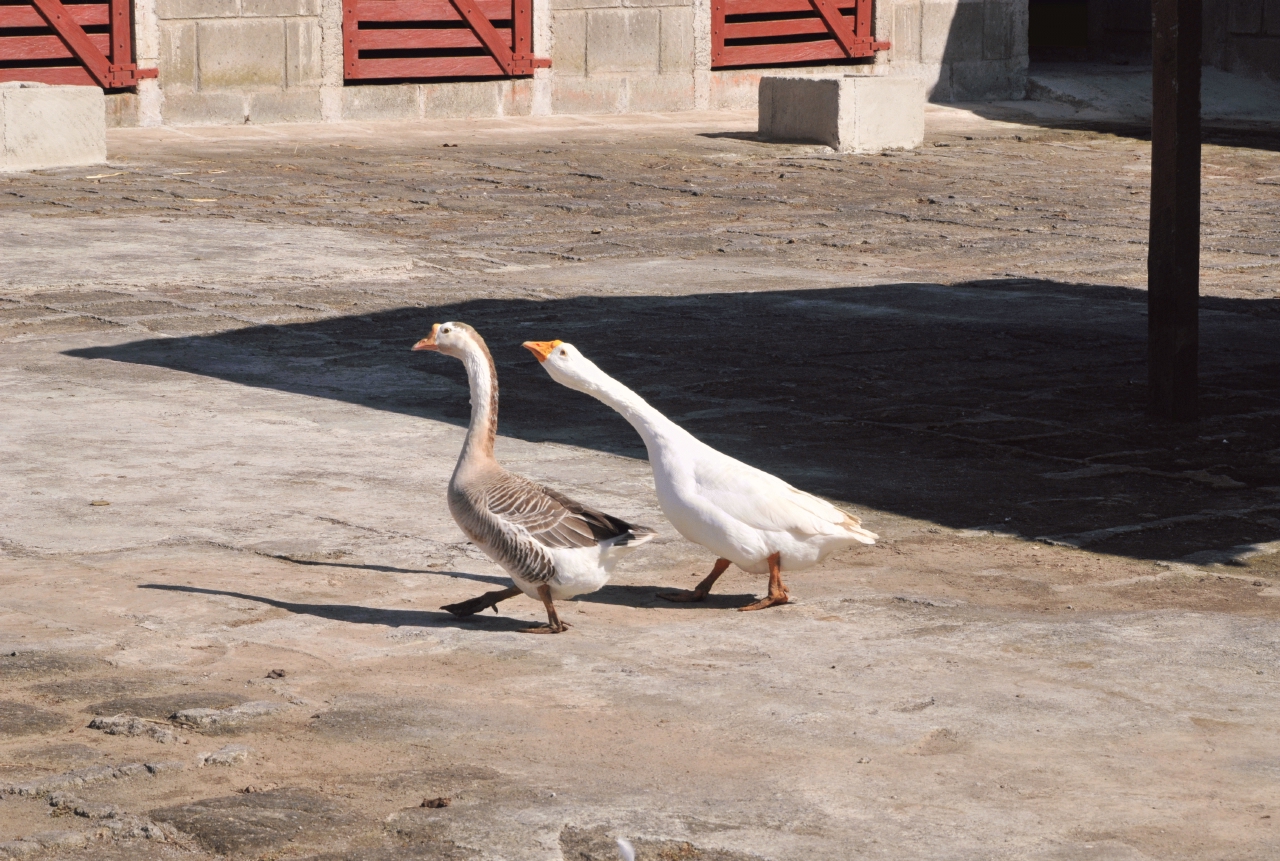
964, 50
239, 61
1243, 36
263, 61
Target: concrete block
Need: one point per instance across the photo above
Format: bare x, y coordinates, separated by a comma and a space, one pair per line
998, 30
622, 40
597, 95
852, 113
279, 8
245, 53
1021, 26
168, 9
906, 34
569, 43
1245, 17
935, 29
205, 109
646, 93
982, 80
965, 39
517, 97
124, 111
300, 105
303, 40
734, 91
43, 126
178, 55
380, 102
1255, 57
570, 5
676, 40
461, 99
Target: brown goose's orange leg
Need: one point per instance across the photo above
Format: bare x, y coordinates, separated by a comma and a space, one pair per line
700, 591
777, 591
554, 625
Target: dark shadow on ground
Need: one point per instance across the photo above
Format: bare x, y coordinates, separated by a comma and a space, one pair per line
622, 596
1215, 130
1014, 403
360, 615
648, 596
391, 569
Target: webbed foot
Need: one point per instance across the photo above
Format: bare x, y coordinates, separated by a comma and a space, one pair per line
546, 629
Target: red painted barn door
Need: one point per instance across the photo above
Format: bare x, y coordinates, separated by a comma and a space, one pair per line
398, 39
778, 32
76, 43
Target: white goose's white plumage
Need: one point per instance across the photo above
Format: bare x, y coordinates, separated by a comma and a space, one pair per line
552, 546
744, 515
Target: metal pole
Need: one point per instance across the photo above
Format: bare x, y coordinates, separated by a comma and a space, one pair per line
1173, 261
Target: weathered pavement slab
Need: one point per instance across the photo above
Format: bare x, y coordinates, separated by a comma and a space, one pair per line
211, 337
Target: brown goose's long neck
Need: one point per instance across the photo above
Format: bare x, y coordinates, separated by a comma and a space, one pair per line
482, 376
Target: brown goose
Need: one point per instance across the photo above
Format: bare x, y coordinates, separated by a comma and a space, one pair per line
551, 546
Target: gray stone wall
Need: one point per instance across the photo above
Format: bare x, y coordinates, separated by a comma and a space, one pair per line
1239, 35
622, 56
265, 61
239, 61
1243, 36
964, 50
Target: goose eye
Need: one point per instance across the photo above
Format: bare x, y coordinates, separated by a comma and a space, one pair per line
444, 331
563, 353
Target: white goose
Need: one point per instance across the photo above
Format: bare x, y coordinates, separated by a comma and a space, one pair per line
743, 515
552, 546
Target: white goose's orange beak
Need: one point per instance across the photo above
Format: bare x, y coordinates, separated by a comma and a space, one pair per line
541, 349
429, 342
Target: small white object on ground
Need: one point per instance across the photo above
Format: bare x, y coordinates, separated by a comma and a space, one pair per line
229, 755
626, 850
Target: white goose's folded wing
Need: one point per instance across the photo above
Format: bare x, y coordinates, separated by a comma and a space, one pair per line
766, 502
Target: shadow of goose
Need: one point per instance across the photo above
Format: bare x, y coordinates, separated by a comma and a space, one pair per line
355, 614
391, 569
647, 596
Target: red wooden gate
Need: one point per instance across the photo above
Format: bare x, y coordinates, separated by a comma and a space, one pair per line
775, 32
79, 43
438, 39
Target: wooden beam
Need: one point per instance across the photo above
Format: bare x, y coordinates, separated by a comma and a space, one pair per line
1173, 260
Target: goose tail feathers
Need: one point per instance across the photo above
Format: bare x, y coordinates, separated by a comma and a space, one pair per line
634, 536
853, 526
865, 536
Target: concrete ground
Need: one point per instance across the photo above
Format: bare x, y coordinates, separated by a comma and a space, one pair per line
1108, 91
222, 509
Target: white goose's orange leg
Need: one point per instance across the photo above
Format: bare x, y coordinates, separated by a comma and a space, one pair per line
554, 625
700, 591
777, 591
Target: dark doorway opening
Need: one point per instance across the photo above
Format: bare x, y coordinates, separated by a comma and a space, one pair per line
1058, 29
1112, 31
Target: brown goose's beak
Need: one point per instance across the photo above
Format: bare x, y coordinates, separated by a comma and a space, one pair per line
541, 349
429, 342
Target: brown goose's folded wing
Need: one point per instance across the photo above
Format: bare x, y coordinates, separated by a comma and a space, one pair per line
552, 519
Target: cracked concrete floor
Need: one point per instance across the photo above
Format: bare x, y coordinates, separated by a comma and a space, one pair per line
222, 498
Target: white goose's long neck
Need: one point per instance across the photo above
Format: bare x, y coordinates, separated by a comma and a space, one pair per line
482, 377
654, 428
